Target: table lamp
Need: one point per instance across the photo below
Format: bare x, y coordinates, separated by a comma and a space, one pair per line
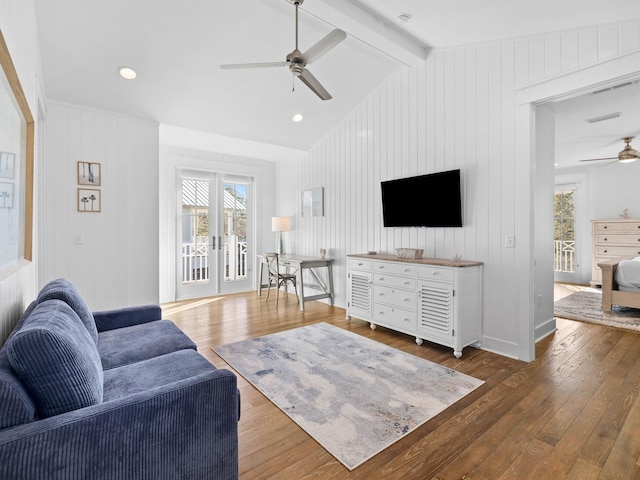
280, 224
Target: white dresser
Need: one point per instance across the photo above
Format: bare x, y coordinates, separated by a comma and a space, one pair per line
613, 239
432, 299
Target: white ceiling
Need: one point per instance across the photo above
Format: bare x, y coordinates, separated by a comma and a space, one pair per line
577, 139
177, 47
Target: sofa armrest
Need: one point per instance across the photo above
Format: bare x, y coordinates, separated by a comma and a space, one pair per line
126, 317
188, 429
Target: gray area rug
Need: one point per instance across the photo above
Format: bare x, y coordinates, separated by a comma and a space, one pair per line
587, 307
353, 395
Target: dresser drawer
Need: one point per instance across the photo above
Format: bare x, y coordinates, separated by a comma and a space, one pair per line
397, 268
616, 251
436, 273
360, 264
395, 317
395, 296
605, 227
394, 281
617, 239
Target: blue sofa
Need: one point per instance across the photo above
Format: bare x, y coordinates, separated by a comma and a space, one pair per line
119, 394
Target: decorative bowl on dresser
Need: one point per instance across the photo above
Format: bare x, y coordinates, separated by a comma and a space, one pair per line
612, 239
432, 299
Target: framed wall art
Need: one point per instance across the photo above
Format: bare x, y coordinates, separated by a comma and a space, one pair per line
7, 165
6, 195
313, 202
89, 173
16, 167
89, 200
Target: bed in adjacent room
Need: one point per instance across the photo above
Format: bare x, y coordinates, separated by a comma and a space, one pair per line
620, 282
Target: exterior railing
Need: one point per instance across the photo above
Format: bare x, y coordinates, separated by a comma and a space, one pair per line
564, 255
195, 260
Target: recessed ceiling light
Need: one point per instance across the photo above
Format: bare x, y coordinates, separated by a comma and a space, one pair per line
297, 117
127, 73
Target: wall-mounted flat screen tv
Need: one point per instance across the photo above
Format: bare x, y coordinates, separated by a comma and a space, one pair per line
432, 200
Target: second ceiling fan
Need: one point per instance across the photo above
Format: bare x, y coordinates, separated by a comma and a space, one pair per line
297, 61
627, 155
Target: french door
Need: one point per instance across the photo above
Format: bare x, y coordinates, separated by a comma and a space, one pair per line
566, 264
214, 232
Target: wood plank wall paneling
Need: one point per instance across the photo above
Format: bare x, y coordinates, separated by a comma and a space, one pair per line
457, 110
117, 263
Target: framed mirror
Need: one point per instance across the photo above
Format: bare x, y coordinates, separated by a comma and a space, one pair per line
16, 168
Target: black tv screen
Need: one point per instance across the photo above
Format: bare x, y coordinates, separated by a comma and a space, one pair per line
431, 200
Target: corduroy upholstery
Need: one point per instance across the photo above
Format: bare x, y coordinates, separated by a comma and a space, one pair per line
63, 289
165, 411
126, 317
56, 359
140, 342
16, 405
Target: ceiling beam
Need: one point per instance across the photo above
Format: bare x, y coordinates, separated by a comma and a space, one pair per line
368, 28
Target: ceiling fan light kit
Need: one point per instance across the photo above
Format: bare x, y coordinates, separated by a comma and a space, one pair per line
627, 155
297, 61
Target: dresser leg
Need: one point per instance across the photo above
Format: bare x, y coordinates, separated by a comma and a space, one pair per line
419, 341
372, 326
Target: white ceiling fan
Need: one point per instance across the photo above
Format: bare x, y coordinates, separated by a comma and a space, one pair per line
627, 155
298, 61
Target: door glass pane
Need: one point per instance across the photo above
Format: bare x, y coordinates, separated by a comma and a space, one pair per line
564, 239
195, 231
235, 232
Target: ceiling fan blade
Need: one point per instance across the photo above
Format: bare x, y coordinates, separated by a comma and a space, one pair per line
599, 159
316, 51
235, 66
310, 81
608, 163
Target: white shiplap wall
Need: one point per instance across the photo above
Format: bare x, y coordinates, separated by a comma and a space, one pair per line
457, 110
117, 263
18, 26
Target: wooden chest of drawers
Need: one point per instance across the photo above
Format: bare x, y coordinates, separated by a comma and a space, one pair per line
612, 239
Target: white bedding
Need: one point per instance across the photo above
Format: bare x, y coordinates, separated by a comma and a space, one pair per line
628, 275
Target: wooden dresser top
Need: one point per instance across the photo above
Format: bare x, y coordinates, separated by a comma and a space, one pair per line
442, 262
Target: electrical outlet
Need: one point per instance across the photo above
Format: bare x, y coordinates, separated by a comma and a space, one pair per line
510, 241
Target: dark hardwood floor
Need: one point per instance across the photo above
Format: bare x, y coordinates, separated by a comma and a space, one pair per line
573, 413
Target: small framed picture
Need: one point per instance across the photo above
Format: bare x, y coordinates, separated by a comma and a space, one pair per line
89, 200
89, 173
7, 165
313, 202
6, 195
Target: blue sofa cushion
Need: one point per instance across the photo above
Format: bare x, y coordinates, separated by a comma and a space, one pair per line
16, 405
153, 373
56, 360
127, 345
63, 289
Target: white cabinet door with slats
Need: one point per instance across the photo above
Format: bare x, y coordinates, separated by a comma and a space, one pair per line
435, 310
359, 294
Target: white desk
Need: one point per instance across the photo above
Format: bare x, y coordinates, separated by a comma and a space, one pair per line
299, 263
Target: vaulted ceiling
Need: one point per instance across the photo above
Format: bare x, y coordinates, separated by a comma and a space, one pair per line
177, 48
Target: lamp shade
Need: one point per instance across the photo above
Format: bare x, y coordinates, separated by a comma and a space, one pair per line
280, 224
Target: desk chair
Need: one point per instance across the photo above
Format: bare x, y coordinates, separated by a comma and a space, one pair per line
276, 278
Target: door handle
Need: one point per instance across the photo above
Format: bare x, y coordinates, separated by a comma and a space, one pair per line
213, 240
220, 242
